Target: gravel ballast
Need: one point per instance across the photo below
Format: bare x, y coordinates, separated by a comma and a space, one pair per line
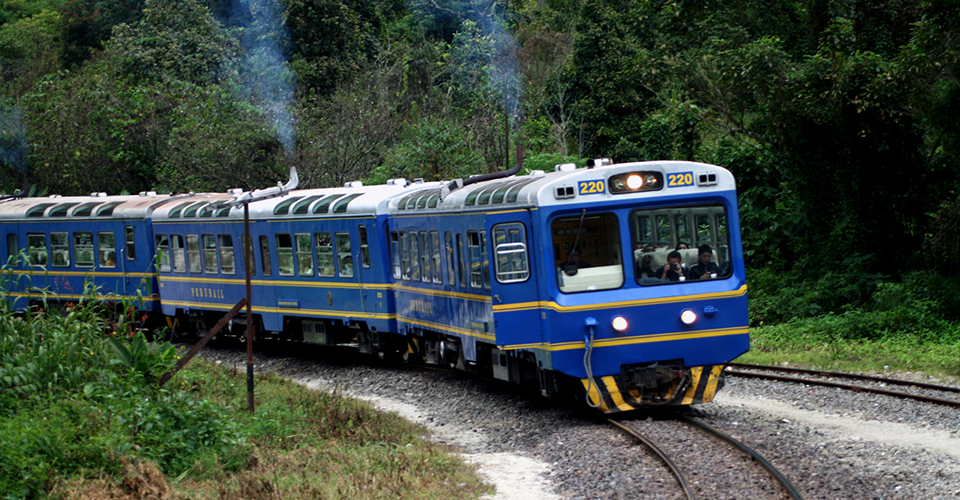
830, 443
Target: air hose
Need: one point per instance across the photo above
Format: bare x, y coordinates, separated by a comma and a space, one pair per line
590, 323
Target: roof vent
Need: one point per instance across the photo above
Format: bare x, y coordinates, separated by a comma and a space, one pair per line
353, 184
56, 196
418, 180
599, 162
235, 191
565, 167
148, 193
536, 172
98, 195
400, 181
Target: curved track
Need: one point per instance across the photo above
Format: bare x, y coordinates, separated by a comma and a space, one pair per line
780, 478
868, 383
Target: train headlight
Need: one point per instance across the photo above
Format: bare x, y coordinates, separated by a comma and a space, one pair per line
687, 317
632, 182
619, 323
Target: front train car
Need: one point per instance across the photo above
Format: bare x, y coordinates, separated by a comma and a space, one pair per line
644, 296
578, 280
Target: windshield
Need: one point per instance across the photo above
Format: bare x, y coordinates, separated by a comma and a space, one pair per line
680, 244
587, 253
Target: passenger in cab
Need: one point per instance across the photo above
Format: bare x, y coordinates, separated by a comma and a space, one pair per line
704, 269
672, 270
682, 246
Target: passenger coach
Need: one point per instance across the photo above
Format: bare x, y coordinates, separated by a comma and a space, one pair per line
59, 248
320, 265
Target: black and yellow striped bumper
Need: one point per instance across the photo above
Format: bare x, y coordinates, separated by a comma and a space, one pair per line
703, 383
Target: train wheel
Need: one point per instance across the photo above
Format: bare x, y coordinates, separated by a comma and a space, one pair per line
411, 355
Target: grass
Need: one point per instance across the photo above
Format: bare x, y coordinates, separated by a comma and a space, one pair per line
300, 444
82, 417
813, 343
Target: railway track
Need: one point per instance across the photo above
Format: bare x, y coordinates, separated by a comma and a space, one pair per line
930, 393
703, 478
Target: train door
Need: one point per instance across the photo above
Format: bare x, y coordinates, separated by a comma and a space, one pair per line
513, 281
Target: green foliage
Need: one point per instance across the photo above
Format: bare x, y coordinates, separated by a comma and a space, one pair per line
432, 151
175, 40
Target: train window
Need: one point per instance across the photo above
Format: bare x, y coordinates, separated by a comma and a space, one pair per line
107, 210
193, 253
85, 209
510, 246
364, 247
414, 257
210, 254
462, 265
60, 210
305, 254
485, 260
37, 248
83, 248
395, 254
13, 248
473, 253
426, 268
435, 248
587, 252
303, 207
404, 255
163, 253
228, 259
340, 207
285, 254
451, 264
59, 249
324, 254
322, 205
345, 255
697, 226
178, 253
129, 242
265, 255
107, 249
284, 206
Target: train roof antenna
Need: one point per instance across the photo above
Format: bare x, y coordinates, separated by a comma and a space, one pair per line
271, 192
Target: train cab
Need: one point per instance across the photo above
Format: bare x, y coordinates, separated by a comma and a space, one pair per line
645, 298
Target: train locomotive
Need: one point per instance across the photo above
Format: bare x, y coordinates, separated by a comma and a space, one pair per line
562, 280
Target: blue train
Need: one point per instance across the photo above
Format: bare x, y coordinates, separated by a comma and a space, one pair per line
621, 282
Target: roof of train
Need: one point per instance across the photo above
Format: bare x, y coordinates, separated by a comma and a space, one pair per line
83, 207
535, 189
543, 189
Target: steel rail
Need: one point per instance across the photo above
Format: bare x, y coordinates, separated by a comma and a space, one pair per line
754, 455
841, 385
663, 456
854, 376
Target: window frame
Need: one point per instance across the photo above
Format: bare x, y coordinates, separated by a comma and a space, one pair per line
62, 249
505, 251
211, 262
78, 248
